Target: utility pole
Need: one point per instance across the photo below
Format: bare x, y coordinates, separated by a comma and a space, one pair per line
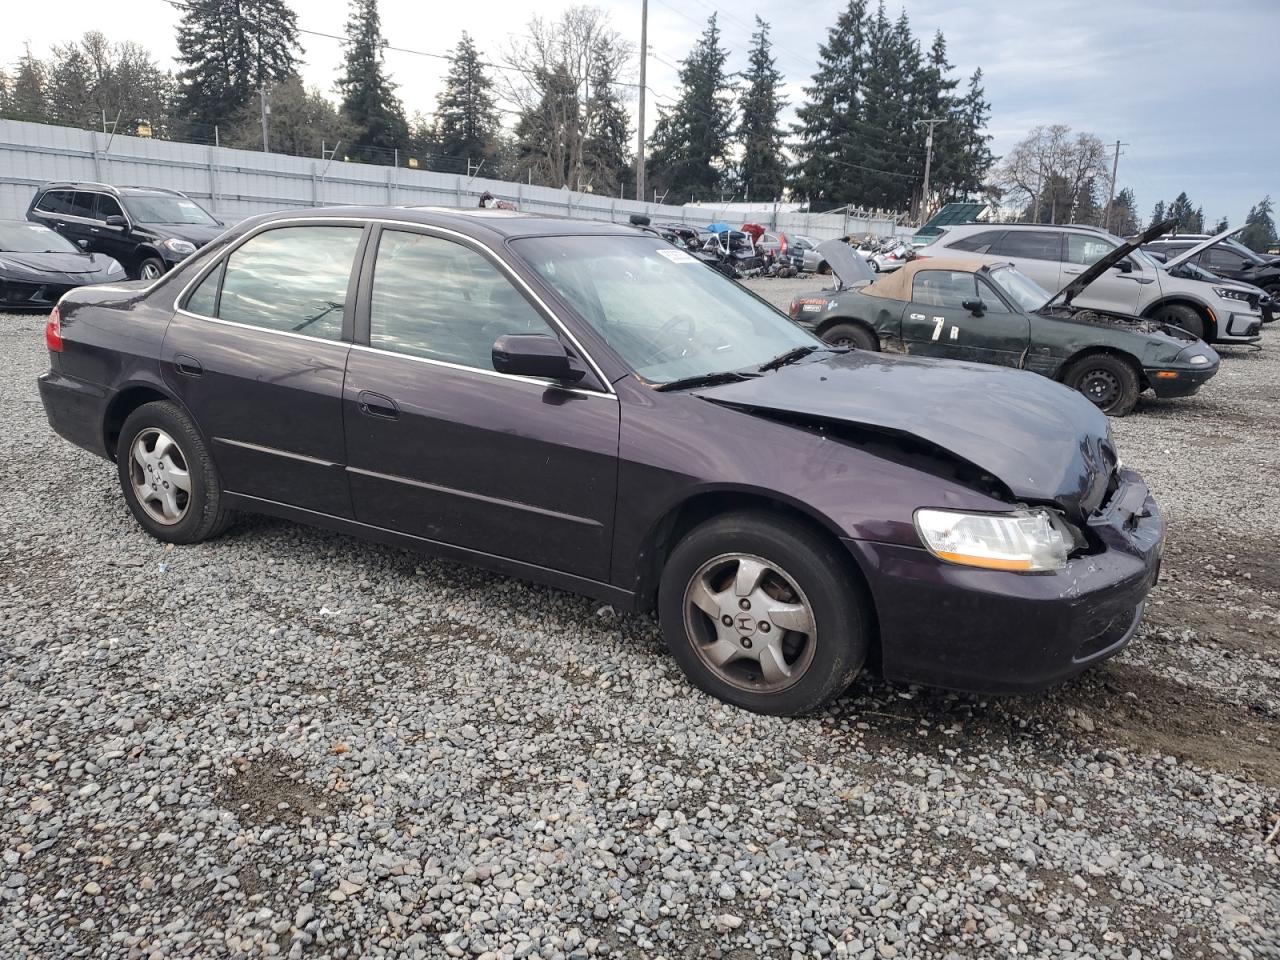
265, 110
644, 50
928, 161
1111, 194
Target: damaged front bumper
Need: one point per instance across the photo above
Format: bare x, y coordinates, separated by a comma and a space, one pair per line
1192, 368
993, 632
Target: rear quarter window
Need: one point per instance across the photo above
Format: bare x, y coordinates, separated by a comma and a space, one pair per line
977, 243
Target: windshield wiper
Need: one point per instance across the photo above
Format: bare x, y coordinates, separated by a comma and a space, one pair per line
791, 356
705, 380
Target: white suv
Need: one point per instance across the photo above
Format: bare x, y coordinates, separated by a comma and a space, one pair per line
1053, 255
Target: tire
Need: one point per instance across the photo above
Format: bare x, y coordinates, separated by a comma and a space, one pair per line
1109, 382
1180, 315
824, 269
151, 268
170, 514
851, 335
804, 578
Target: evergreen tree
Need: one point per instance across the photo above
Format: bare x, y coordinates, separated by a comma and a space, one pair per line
467, 122
763, 171
1259, 232
607, 149
369, 103
973, 141
547, 130
230, 49
936, 99
827, 171
1221, 226
68, 92
885, 140
6, 92
27, 99
1157, 214
691, 140
1183, 213
1122, 219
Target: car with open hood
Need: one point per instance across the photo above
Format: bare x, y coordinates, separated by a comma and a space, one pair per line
1057, 255
966, 309
148, 229
1222, 256
37, 266
586, 406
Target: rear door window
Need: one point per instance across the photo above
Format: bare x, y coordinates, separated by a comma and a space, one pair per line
82, 204
978, 243
291, 279
1030, 244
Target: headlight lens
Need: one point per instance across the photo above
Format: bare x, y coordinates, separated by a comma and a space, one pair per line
1024, 540
1230, 293
183, 248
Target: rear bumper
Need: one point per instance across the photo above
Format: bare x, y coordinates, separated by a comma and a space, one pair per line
991, 632
76, 410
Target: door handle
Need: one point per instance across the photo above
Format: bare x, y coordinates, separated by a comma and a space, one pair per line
59, 225
188, 366
1072, 272
376, 405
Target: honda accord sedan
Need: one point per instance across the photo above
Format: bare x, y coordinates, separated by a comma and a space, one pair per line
594, 409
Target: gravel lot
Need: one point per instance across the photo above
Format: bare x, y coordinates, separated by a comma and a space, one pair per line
290, 743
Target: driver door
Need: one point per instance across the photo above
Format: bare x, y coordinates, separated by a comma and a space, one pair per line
441, 446
937, 323
1114, 290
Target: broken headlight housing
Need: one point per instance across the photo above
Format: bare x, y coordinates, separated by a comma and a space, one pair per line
1025, 541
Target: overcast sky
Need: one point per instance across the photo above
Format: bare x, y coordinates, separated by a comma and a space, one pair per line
1191, 88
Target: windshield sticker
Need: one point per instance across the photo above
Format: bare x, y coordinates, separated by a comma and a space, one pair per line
676, 256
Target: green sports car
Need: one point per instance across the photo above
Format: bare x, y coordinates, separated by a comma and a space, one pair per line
963, 309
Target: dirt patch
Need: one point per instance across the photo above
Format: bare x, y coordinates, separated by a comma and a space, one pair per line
269, 790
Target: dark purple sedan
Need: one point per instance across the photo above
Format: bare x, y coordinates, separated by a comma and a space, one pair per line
592, 408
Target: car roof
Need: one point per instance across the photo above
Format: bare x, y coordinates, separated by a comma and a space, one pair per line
505, 224
897, 285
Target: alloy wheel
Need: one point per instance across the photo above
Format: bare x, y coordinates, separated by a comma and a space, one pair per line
750, 622
159, 476
150, 272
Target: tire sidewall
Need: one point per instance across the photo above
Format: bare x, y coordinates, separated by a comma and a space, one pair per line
203, 501
1186, 318
1129, 384
860, 336
146, 260
840, 608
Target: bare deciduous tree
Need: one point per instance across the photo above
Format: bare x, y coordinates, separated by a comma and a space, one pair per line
1050, 171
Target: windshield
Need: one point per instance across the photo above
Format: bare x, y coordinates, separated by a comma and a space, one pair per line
668, 315
1020, 288
161, 209
21, 237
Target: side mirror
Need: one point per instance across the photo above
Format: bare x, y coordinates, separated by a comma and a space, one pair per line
1125, 266
82, 244
975, 306
115, 220
534, 355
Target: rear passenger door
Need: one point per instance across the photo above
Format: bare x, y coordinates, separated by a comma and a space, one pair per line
257, 353
1037, 253
442, 446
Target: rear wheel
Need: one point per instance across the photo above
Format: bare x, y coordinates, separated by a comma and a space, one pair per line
850, 335
1109, 382
1182, 316
168, 478
824, 269
764, 613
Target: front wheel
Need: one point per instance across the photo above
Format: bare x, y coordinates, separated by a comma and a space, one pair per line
1181, 316
764, 613
168, 478
150, 269
1109, 382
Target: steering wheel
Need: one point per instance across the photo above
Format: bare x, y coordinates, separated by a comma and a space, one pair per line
661, 353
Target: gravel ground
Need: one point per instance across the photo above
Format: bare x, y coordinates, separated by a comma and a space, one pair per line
290, 743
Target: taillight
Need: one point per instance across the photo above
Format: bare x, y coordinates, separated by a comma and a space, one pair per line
795, 309
53, 331
782, 244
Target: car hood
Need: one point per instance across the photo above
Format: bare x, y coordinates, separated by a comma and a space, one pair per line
1201, 247
54, 266
848, 267
1076, 286
1044, 442
197, 233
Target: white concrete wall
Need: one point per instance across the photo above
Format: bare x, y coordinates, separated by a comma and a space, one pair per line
240, 183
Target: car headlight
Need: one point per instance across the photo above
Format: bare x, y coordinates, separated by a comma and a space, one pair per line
183, 248
1024, 540
1229, 293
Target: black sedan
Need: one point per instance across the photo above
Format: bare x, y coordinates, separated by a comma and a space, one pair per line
592, 408
37, 266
